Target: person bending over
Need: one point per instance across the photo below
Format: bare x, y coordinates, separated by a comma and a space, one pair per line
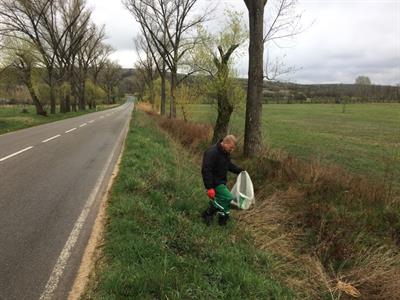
216, 164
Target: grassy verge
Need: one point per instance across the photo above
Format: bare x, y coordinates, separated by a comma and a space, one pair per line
11, 117
339, 231
156, 246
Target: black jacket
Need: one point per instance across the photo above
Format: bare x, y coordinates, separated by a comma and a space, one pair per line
216, 164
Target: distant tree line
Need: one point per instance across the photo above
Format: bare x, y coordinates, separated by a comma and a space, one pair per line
329, 93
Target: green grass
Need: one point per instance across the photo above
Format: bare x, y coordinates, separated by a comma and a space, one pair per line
156, 246
11, 117
365, 139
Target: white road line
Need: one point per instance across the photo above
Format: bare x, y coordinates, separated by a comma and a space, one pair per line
52, 138
84, 124
101, 117
16, 153
68, 131
91, 121
62, 260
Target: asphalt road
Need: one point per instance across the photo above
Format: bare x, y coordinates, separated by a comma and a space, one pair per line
51, 180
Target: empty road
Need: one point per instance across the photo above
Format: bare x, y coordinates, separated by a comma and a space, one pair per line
51, 180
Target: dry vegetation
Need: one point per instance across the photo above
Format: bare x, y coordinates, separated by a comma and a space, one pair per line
336, 235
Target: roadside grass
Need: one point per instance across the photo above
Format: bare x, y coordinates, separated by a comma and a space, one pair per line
11, 117
155, 245
340, 231
365, 139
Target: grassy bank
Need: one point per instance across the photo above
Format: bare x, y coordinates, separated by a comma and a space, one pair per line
340, 231
11, 117
156, 246
365, 139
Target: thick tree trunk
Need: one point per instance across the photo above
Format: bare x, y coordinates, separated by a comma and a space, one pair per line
68, 102
253, 137
52, 98
75, 94
63, 108
108, 96
225, 110
39, 108
172, 111
82, 100
163, 91
74, 105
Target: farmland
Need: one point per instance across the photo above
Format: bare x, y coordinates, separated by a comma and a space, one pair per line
364, 139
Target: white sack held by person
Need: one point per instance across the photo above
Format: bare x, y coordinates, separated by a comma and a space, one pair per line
243, 191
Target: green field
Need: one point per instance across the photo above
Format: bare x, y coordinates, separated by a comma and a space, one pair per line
11, 117
365, 139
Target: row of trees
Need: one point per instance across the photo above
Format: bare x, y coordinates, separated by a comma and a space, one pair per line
330, 93
57, 42
174, 38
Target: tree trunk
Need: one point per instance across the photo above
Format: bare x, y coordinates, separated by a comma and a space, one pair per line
108, 96
163, 91
39, 108
82, 100
74, 105
253, 137
68, 102
63, 108
225, 107
52, 98
172, 111
225, 110
152, 95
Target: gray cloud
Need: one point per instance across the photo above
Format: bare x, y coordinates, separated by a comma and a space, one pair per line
347, 39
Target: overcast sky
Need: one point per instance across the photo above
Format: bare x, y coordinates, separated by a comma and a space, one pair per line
343, 39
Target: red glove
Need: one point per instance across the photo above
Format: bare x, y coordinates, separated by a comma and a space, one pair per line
211, 194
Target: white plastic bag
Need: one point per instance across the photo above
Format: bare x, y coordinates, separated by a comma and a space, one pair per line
243, 191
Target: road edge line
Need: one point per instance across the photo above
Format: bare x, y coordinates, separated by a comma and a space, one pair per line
91, 253
62, 260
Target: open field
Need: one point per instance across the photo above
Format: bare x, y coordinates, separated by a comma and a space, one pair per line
365, 139
11, 117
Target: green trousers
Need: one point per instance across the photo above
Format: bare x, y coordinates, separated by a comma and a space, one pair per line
222, 200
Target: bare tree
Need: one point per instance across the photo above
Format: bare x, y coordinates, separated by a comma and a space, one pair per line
87, 55
169, 25
145, 44
54, 27
76, 19
23, 20
215, 58
99, 61
281, 22
110, 77
24, 60
147, 65
252, 136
